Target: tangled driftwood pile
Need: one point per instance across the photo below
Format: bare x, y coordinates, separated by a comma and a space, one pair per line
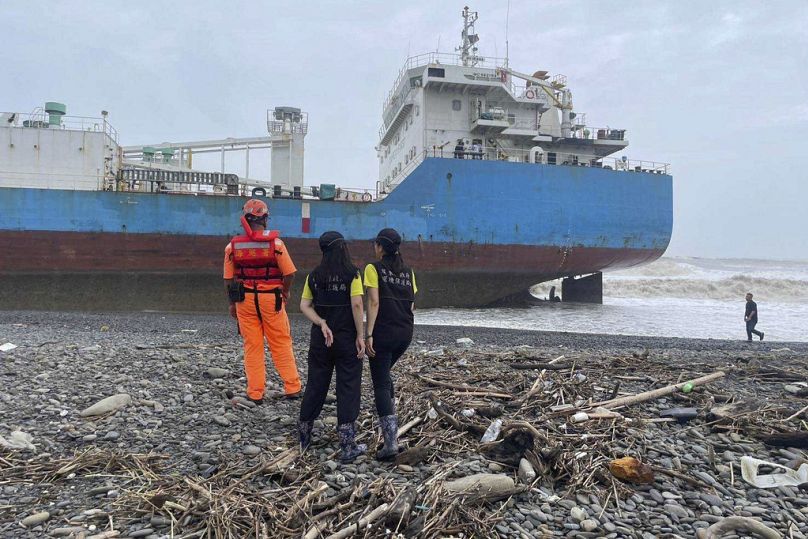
565, 422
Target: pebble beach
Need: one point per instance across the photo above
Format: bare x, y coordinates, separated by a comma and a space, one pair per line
174, 456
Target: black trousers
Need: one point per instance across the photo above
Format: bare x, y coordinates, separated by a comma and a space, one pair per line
387, 353
322, 361
750, 329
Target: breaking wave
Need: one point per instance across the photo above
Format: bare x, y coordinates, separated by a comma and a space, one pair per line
731, 288
704, 279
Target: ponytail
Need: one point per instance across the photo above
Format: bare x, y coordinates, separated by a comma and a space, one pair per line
391, 258
390, 241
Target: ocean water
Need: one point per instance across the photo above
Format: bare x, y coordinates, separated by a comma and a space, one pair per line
672, 297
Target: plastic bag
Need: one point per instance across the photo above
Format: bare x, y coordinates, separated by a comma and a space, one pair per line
791, 478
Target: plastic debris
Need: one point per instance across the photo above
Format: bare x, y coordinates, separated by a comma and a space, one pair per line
7, 347
796, 388
432, 414
580, 417
492, 432
18, 440
680, 414
791, 478
632, 470
468, 412
687, 388
434, 353
465, 342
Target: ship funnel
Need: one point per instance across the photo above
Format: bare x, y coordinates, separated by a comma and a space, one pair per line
55, 112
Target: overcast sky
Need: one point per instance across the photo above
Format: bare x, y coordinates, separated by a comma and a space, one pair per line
719, 89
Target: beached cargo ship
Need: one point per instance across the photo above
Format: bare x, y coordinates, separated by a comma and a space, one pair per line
493, 179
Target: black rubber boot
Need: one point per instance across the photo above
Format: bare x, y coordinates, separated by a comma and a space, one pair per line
349, 449
304, 429
389, 424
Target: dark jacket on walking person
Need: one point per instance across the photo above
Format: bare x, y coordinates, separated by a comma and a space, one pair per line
459, 150
751, 318
332, 300
391, 292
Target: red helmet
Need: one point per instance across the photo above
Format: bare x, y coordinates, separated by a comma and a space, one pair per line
256, 208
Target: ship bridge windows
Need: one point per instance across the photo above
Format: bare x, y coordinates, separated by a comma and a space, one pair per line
436, 72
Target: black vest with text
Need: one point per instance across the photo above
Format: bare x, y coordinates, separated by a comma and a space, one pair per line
396, 296
332, 302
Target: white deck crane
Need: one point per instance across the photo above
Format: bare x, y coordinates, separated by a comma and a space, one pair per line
564, 103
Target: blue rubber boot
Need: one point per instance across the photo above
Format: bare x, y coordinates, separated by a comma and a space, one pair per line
389, 425
349, 449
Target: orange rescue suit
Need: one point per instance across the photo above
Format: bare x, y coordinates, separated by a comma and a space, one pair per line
259, 259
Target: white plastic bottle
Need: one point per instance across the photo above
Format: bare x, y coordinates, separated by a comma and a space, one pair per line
492, 432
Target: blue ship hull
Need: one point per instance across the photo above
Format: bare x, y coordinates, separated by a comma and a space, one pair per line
495, 226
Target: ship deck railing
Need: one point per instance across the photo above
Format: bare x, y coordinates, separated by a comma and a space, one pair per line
518, 155
70, 181
487, 153
39, 120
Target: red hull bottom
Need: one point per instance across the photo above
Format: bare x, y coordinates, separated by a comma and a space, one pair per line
114, 272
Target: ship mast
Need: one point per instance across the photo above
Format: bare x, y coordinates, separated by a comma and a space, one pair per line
467, 48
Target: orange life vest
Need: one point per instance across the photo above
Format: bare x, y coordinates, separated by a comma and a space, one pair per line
254, 255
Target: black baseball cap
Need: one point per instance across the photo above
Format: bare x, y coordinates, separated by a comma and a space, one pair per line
388, 235
327, 239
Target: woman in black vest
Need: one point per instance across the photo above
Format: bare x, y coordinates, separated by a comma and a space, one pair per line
391, 296
332, 300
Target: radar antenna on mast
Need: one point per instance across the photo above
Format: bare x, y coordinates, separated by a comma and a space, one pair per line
468, 48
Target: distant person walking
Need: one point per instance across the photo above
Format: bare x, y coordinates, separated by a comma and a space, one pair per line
391, 292
751, 318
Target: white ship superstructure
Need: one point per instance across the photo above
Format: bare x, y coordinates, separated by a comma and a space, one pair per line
473, 107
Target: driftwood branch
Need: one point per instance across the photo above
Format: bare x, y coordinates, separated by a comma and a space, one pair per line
538, 366
785, 439
657, 393
454, 422
720, 528
463, 388
363, 522
404, 429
